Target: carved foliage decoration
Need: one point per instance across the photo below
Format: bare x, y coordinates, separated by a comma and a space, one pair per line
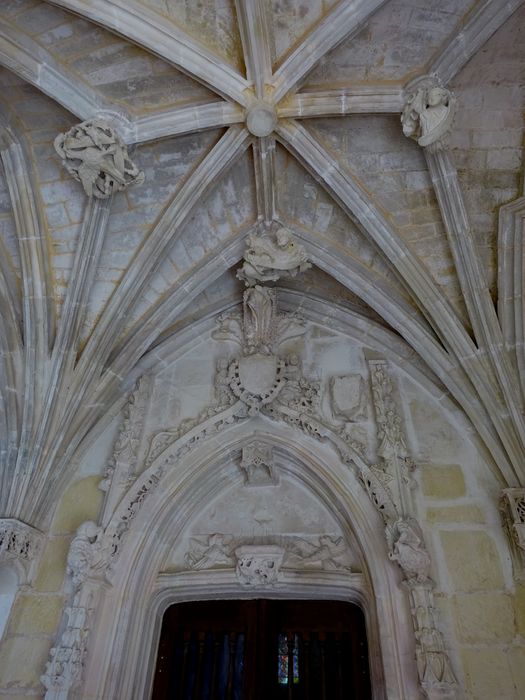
93, 154
125, 450
390, 434
19, 541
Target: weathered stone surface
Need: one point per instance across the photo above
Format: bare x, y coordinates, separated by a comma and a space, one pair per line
487, 674
484, 618
21, 661
52, 568
443, 482
455, 514
80, 502
36, 614
519, 607
472, 560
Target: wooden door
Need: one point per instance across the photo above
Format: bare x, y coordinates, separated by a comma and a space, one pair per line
262, 649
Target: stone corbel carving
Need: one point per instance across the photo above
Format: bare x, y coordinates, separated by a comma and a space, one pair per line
406, 546
86, 553
268, 260
19, 542
429, 111
258, 565
93, 154
258, 465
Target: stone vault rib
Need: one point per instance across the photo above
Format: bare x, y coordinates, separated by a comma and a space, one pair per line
37, 305
345, 189
470, 37
255, 30
151, 31
415, 331
98, 348
33, 63
347, 18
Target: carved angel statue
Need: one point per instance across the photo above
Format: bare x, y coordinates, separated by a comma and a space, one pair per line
267, 260
215, 552
85, 552
428, 112
407, 548
331, 554
95, 156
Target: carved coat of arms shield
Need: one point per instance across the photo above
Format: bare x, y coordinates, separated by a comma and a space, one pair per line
257, 373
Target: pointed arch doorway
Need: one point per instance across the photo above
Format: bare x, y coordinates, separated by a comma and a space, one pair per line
255, 649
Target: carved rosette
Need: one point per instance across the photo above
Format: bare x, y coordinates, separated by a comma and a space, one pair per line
429, 112
93, 154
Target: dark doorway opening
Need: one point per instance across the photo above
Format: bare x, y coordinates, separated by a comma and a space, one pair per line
262, 649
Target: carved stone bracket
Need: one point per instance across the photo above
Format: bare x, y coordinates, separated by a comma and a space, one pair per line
258, 565
429, 111
268, 259
93, 154
258, 465
19, 542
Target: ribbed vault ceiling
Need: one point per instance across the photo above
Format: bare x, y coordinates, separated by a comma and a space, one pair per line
405, 239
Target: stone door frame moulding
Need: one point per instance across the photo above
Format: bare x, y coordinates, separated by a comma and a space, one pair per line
193, 586
129, 609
